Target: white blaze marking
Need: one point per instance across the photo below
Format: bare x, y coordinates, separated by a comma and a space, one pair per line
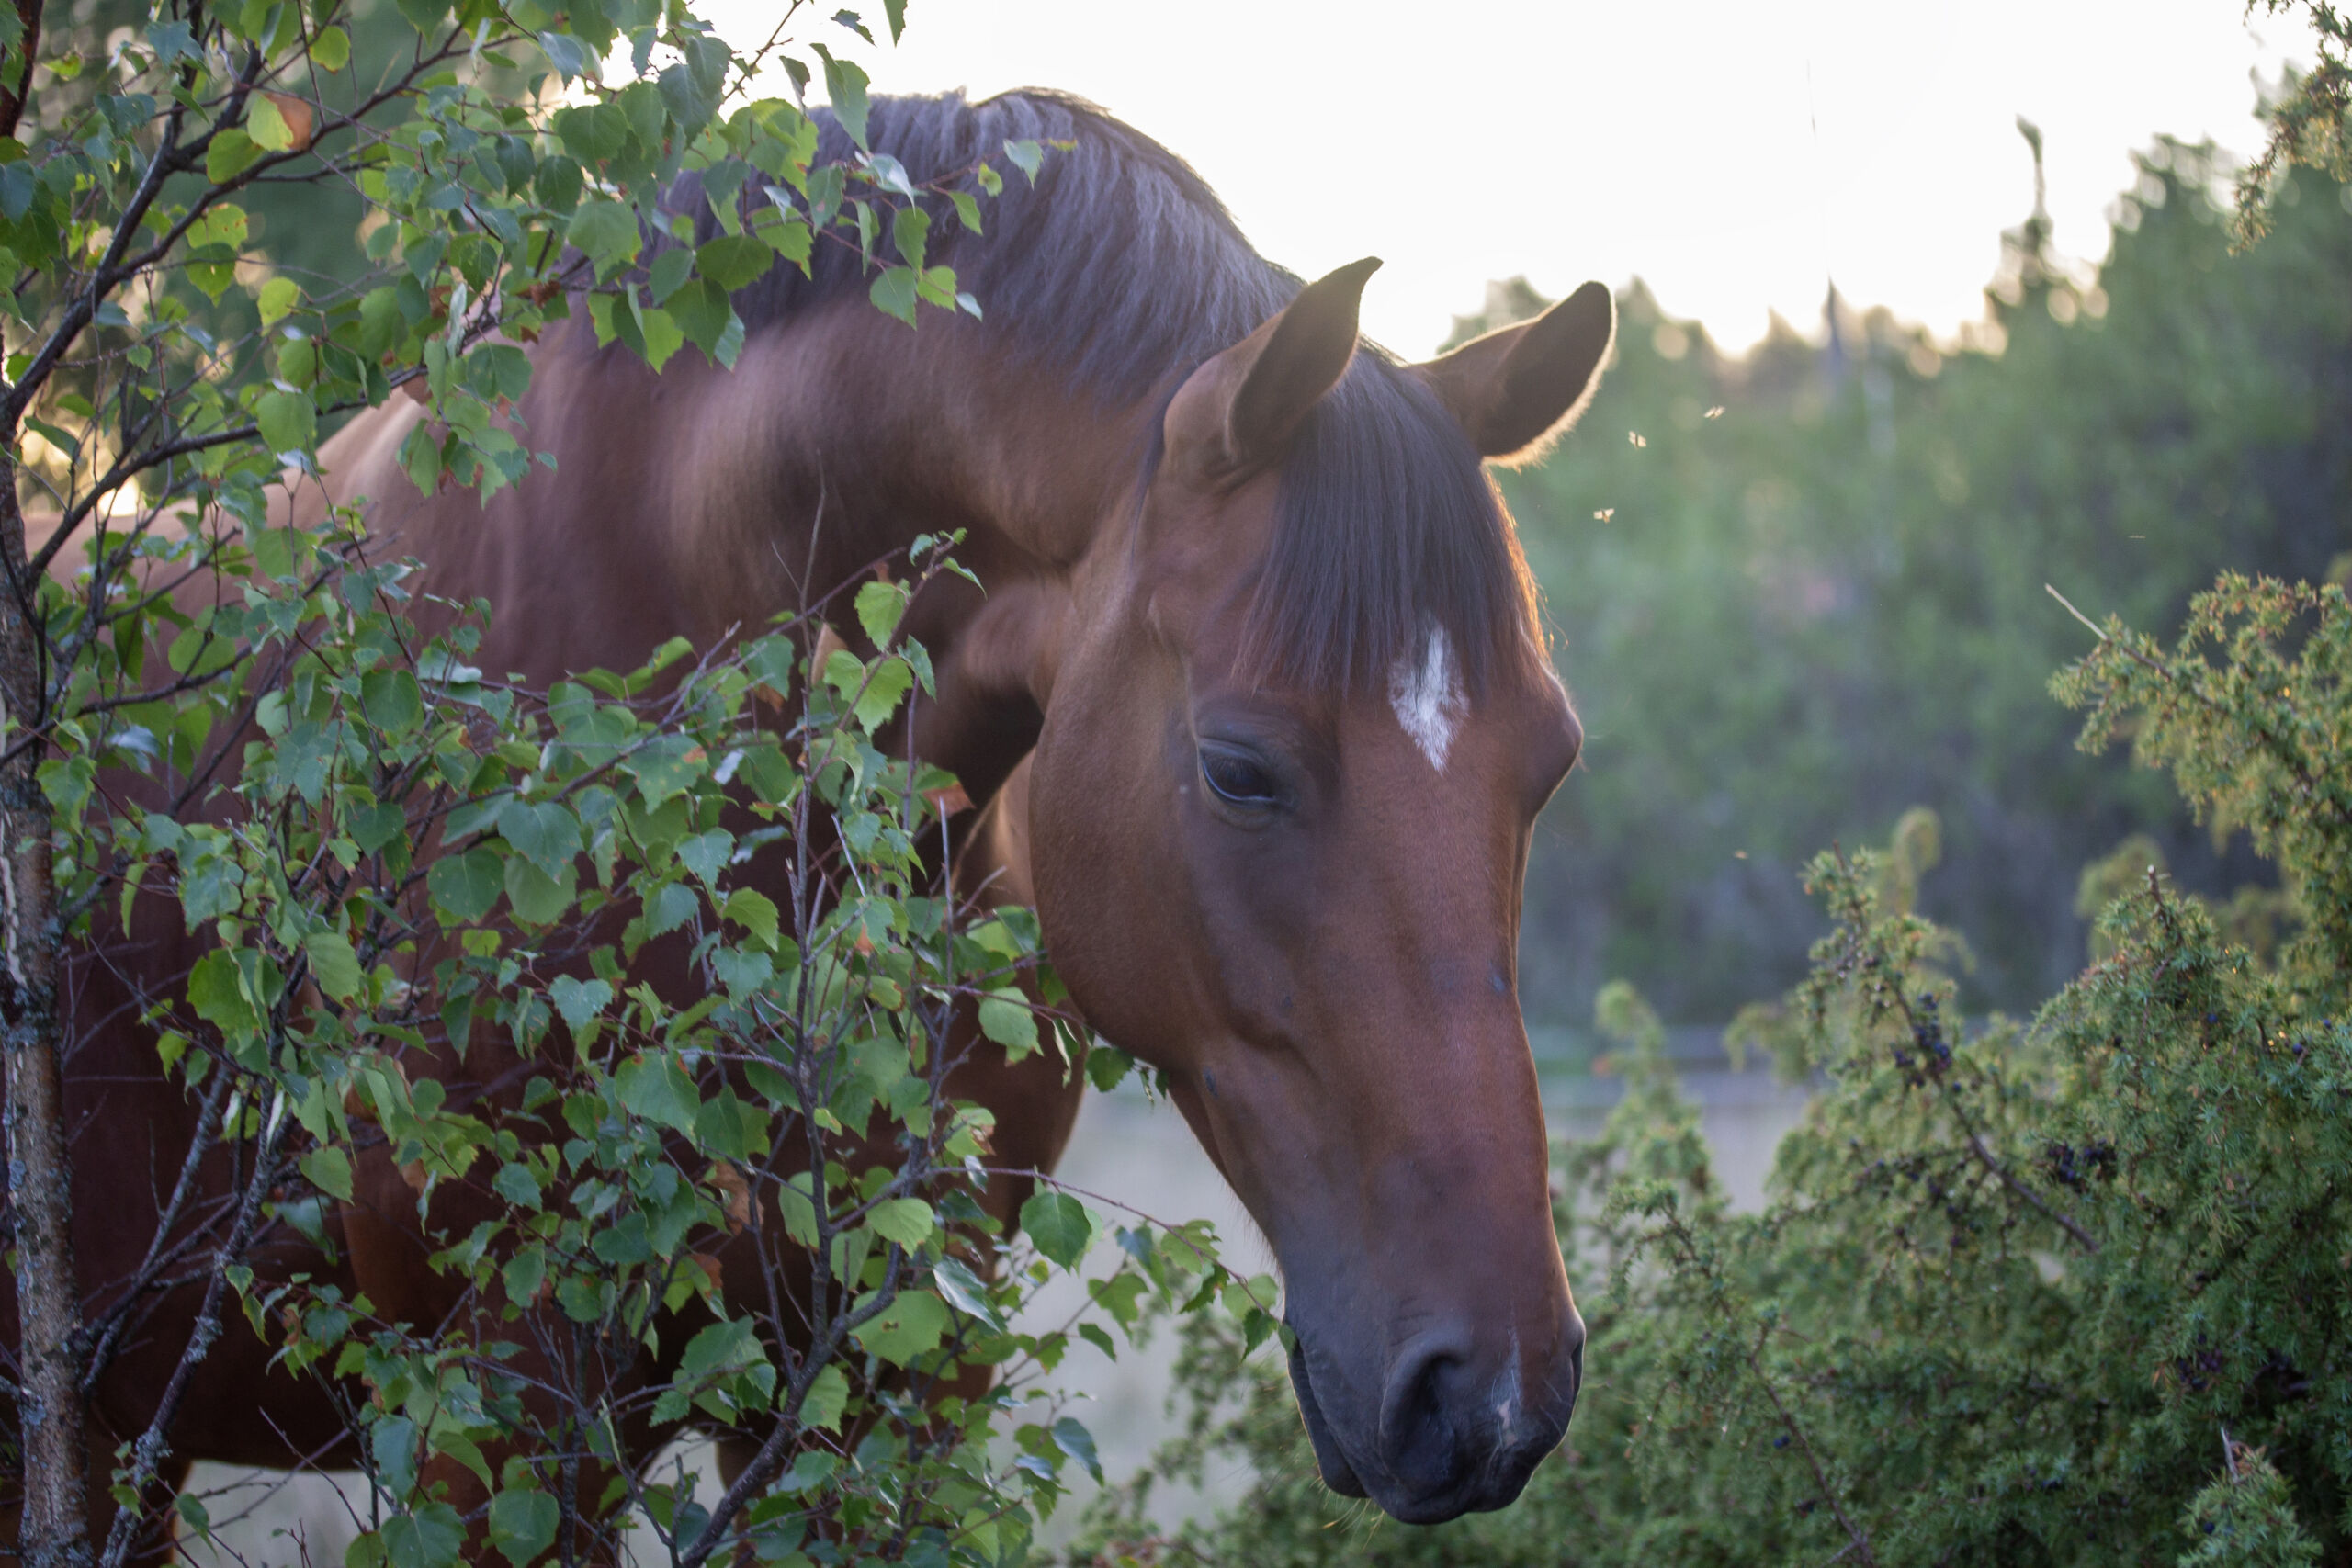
1428, 696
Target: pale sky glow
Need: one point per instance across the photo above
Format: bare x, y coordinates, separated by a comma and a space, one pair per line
1568, 141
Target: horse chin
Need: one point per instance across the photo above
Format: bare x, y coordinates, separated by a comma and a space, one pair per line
1337, 1473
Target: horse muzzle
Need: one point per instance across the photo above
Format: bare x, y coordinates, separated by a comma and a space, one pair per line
1449, 1431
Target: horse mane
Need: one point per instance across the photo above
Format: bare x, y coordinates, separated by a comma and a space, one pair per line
1119, 267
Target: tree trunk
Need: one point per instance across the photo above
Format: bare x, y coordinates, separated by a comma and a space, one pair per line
55, 1529
12, 99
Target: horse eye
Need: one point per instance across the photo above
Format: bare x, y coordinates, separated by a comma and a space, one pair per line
1236, 778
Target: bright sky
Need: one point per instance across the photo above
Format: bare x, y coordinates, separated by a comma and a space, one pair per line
1602, 139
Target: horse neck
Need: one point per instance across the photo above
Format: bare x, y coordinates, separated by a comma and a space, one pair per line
840, 439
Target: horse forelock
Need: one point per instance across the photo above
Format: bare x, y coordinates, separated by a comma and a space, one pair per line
1389, 533
1120, 267
1387, 537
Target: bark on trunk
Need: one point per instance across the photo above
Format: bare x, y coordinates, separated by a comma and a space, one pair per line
55, 1531
12, 99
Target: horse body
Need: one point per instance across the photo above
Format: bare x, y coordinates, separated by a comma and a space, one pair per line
1255, 620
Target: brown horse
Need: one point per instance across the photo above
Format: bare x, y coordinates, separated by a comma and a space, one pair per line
1259, 623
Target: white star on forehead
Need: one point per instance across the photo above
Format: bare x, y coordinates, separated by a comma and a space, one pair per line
1427, 695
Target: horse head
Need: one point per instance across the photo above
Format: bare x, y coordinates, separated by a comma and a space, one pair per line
1299, 721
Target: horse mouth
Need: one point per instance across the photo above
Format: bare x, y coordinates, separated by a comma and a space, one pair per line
1337, 1473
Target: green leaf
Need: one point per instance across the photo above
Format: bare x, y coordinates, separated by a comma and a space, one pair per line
1058, 1226
539, 899
67, 780
523, 1523
334, 965
909, 231
663, 768
1107, 1065
845, 89
373, 827
225, 224
278, 297
936, 286
893, 293
218, 994
657, 1089
231, 153
523, 1275
742, 972
1027, 157
429, 1537
672, 907
810, 1468
907, 1221
449, 1440
392, 701
910, 1326
968, 208
797, 1209
704, 855
578, 1001
1007, 1018
755, 912
267, 123
517, 1184
580, 1297
966, 1292
732, 1128
700, 309
571, 58
331, 50
328, 1168
1079, 1443
427, 16
828, 1397
734, 261
889, 681
879, 606
463, 887
663, 336
287, 422
669, 269
546, 833
605, 231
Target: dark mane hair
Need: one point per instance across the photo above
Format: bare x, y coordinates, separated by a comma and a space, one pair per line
1121, 268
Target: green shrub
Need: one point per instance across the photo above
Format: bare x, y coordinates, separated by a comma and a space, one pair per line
391, 868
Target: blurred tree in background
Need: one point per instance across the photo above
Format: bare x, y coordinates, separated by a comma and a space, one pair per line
1799, 592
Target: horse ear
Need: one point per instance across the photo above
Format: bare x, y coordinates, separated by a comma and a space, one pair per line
1515, 389
1235, 415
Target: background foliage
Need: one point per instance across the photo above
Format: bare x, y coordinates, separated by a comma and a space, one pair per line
1801, 592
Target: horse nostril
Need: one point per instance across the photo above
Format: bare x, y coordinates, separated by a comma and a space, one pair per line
1419, 1439
1461, 1431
